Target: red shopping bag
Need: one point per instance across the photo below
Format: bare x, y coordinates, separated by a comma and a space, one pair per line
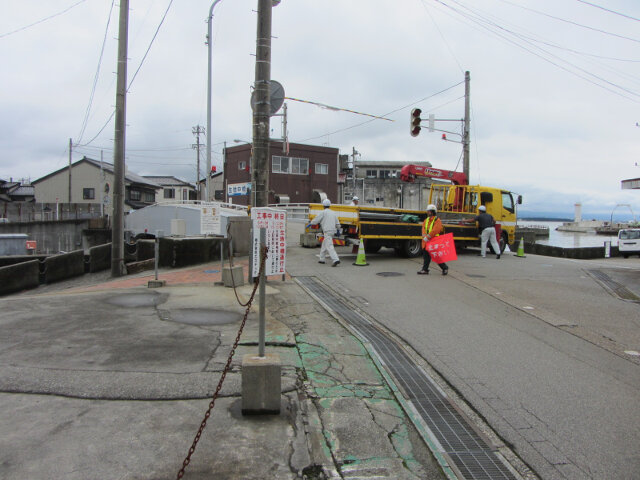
442, 248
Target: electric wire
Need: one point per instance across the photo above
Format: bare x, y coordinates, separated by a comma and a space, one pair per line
505, 34
384, 115
95, 78
136, 72
42, 20
444, 40
610, 11
572, 22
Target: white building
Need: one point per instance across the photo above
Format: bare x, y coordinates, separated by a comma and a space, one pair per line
173, 189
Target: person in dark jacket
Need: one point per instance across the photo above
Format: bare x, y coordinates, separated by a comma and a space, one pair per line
487, 230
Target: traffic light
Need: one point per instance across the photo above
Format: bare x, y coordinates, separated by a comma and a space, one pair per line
415, 122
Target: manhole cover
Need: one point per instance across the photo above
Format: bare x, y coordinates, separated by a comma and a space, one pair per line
137, 300
389, 274
203, 316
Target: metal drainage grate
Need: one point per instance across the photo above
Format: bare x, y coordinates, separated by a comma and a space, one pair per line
389, 274
471, 455
614, 287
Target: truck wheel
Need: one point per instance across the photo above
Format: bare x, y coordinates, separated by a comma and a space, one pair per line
410, 249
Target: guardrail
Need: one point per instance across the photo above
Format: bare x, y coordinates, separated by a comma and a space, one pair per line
296, 212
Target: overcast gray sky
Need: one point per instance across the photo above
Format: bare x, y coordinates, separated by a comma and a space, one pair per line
555, 86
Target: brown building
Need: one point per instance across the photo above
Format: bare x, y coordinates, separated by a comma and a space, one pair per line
299, 176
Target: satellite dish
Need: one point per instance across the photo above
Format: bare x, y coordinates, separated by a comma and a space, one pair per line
277, 97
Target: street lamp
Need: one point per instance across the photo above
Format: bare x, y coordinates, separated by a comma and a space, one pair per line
209, 48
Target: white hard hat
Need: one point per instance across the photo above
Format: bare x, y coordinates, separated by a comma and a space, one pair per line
432, 207
482, 208
355, 198
326, 202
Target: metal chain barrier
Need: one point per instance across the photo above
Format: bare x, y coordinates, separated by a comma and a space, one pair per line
187, 460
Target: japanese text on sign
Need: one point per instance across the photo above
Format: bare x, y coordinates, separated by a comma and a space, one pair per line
275, 223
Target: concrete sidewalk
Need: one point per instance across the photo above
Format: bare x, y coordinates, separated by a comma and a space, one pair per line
112, 380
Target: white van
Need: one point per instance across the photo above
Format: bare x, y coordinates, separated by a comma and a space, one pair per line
629, 241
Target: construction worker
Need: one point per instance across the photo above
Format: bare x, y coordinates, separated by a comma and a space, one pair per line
354, 201
328, 220
487, 228
432, 227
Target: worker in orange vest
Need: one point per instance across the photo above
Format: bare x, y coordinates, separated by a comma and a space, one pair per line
432, 227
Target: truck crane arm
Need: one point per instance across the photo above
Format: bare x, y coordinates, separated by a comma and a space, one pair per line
408, 173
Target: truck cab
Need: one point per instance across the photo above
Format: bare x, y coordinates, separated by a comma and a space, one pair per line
458, 204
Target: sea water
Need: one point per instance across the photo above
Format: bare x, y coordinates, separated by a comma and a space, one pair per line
569, 239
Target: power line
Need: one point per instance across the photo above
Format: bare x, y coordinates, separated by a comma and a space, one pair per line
42, 20
496, 29
386, 114
610, 11
137, 70
95, 78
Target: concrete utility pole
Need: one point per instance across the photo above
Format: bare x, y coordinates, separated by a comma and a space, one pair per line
197, 130
70, 152
467, 120
117, 222
207, 191
262, 107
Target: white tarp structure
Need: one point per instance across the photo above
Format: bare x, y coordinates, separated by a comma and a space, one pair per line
182, 219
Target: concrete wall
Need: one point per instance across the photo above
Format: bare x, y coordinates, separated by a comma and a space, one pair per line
551, 251
99, 258
60, 267
20, 276
53, 236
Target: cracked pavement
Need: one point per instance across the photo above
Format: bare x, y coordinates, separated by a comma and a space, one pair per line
114, 383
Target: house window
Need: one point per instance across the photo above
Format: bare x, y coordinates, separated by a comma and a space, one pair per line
242, 165
88, 193
296, 166
385, 173
149, 197
135, 195
372, 174
322, 168
169, 193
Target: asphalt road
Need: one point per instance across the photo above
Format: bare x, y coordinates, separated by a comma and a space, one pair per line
538, 346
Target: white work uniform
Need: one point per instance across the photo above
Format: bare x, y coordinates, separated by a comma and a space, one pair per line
489, 234
328, 220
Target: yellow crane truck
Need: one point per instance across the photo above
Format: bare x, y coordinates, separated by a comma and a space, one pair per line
401, 229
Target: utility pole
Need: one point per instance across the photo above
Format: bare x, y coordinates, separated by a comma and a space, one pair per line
70, 152
117, 225
197, 130
262, 108
467, 120
353, 164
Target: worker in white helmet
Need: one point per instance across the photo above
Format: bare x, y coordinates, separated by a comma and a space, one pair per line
330, 225
487, 229
354, 201
432, 227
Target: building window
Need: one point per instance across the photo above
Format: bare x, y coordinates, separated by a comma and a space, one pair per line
149, 197
372, 174
88, 193
134, 195
242, 165
385, 173
322, 168
169, 193
296, 166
